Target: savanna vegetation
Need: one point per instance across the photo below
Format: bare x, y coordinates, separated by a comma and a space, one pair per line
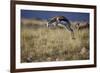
40, 44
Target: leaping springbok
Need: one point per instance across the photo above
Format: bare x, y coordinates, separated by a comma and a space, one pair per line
63, 21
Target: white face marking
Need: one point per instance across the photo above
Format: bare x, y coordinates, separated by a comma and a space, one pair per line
47, 24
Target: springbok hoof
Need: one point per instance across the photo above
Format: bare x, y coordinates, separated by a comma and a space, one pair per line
73, 38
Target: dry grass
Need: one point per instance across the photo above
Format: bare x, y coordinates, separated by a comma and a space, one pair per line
53, 44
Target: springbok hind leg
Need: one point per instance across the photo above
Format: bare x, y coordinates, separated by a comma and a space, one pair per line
72, 32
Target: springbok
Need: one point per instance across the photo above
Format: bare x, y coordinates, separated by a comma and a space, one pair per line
80, 26
63, 21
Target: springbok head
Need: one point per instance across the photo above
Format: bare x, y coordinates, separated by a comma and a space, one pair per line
49, 24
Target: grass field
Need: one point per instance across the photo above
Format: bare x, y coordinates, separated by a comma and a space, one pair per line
42, 44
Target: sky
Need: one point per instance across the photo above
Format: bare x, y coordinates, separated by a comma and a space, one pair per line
72, 16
